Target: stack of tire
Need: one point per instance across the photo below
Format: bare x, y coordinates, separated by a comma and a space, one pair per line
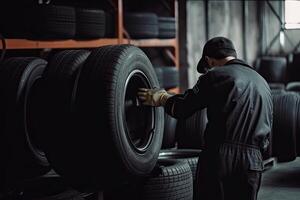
285, 123
78, 113
166, 27
168, 76
22, 157
141, 24
273, 69
293, 67
48, 21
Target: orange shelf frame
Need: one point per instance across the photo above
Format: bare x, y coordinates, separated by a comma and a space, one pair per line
58, 44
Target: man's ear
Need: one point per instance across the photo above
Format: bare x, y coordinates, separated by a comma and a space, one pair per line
209, 61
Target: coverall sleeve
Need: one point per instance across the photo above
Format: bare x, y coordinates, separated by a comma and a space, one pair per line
182, 106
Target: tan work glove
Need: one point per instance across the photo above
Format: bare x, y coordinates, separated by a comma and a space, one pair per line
153, 97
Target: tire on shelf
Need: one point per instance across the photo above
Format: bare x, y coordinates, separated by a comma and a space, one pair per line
53, 22
20, 78
159, 74
106, 144
284, 126
273, 69
166, 27
90, 23
141, 25
110, 29
187, 155
169, 132
190, 131
170, 76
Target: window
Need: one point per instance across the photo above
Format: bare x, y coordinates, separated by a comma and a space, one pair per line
292, 14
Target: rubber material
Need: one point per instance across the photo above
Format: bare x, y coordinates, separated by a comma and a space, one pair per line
19, 79
53, 22
169, 132
99, 124
293, 86
141, 25
187, 155
90, 23
190, 131
273, 69
167, 27
284, 126
57, 121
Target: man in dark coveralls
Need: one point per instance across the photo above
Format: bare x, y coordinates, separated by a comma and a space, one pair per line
239, 108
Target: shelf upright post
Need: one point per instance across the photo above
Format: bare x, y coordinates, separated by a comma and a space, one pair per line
176, 45
120, 21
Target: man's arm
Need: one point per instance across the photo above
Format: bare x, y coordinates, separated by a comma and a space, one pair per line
184, 105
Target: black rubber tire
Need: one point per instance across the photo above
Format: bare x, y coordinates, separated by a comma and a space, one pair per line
294, 67
276, 86
170, 76
110, 25
169, 132
190, 131
90, 23
284, 126
14, 20
293, 86
19, 79
104, 85
172, 180
59, 81
141, 25
187, 155
273, 69
166, 27
53, 22
160, 77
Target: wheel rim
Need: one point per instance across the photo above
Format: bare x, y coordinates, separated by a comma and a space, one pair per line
139, 120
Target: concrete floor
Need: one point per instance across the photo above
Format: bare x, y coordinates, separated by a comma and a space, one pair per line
281, 182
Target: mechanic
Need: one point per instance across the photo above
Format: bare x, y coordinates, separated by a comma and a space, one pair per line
240, 114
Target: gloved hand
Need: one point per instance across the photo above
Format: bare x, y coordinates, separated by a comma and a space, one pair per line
153, 97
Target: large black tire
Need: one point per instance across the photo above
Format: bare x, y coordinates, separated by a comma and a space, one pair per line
273, 69
170, 77
284, 126
53, 22
110, 25
166, 27
293, 86
160, 77
113, 146
21, 155
190, 131
57, 94
169, 132
141, 25
276, 86
187, 155
173, 181
294, 67
90, 23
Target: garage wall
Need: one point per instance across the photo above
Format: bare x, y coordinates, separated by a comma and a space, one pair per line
225, 18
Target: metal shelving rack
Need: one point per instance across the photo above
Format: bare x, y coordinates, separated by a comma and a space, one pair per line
93, 43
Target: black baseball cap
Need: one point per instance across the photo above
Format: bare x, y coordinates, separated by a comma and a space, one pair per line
217, 47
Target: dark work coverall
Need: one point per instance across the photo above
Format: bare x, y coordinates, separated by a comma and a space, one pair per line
239, 110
